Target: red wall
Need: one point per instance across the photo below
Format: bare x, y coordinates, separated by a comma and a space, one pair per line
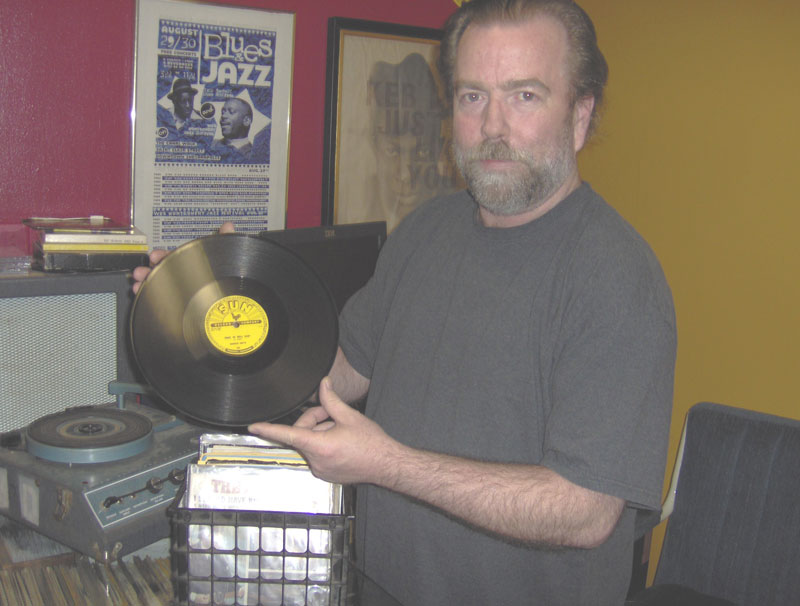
66, 87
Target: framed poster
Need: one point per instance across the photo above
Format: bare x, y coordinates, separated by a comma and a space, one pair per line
387, 128
212, 95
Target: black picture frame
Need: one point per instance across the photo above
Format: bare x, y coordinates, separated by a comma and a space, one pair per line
377, 87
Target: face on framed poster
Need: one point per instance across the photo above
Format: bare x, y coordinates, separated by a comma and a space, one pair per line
387, 127
212, 97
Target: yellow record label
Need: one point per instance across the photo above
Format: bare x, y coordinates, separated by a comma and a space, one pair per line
236, 325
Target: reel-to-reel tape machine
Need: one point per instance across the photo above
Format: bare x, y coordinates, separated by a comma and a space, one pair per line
97, 478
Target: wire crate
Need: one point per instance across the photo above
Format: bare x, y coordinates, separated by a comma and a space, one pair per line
258, 558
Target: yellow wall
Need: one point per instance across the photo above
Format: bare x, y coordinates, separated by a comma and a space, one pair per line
698, 149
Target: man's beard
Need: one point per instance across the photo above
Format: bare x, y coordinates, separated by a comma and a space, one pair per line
507, 193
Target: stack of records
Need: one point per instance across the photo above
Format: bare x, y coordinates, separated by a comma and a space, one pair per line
247, 473
86, 244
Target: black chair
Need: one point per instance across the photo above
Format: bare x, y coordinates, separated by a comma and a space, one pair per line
733, 513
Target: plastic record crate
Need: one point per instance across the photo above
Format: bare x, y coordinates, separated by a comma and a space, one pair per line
258, 558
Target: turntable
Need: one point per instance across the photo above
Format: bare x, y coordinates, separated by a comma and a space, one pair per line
97, 478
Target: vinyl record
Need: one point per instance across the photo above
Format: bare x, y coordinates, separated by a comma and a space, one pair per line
231, 329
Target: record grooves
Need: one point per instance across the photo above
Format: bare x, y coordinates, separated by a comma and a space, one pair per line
232, 329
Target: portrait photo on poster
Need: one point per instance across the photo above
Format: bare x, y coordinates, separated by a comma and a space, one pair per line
387, 128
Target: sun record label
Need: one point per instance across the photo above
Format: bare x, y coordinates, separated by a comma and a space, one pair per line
236, 325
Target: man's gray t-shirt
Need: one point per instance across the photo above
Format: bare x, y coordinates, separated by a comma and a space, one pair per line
552, 343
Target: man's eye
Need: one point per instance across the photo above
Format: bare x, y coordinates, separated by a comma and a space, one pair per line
470, 97
527, 96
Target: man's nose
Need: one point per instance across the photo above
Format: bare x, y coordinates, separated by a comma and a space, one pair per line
495, 124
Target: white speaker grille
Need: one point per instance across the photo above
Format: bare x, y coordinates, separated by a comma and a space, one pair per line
56, 352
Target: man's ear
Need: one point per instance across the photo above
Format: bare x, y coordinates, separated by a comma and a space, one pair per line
581, 118
247, 121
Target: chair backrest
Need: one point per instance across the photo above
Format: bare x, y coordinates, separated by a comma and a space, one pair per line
735, 530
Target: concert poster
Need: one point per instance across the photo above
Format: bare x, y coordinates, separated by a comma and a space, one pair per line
212, 96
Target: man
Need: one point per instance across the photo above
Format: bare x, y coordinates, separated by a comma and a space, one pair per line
182, 123
516, 345
183, 112
234, 122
